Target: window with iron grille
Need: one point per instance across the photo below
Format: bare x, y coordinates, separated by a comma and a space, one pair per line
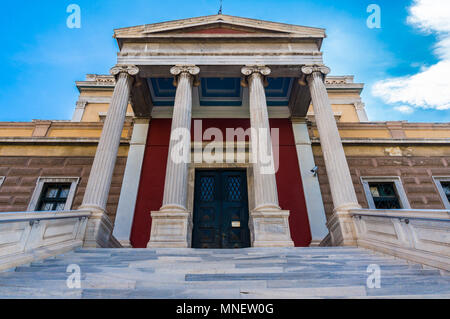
384, 195
54, 197
446, 188
443, 187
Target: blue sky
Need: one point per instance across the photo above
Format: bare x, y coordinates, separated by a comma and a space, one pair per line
42, 58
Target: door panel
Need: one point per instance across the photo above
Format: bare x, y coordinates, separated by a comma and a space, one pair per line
221, 210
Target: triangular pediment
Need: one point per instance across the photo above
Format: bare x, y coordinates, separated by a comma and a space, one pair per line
220, 26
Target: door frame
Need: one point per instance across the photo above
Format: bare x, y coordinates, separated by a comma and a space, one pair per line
221, 166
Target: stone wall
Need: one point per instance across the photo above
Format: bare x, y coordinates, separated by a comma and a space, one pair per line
22, 174
415, 172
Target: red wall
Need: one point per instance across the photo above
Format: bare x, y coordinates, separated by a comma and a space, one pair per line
151, 188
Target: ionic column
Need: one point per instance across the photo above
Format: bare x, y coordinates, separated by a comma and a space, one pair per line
269, 224
342, 190
97, 190
172, 224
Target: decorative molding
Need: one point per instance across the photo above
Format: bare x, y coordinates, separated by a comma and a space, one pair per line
309, 70
102, 115
79, 110
192, 70
56, 140
220, 60
101, 79
403, 199
32, 206
359, 105
394, 141
360, 108
41, 128
221, 112
129, 69
251, 69
260, 27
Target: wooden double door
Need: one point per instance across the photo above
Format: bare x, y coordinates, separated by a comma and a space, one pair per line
221, 209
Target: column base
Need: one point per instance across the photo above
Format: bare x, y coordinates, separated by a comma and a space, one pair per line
341, 226
316, 242
99, 230
171, 229
125, 243
270, 228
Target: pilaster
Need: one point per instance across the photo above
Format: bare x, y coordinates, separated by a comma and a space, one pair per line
311, 187
130, 185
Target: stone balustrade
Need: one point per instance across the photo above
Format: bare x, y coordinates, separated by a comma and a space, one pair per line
421, 236
32, 236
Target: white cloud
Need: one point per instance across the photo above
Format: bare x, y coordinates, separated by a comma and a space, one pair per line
404, 109
430, 88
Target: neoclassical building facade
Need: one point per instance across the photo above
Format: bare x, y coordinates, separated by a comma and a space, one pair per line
237, 86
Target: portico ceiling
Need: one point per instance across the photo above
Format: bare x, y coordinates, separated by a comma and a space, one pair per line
221, 91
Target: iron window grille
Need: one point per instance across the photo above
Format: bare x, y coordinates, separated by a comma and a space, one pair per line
54, 197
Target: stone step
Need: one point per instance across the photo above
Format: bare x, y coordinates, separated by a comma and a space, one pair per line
332, 272
306, 275
38, 293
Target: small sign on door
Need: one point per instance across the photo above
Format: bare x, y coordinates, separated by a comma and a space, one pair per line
236, 224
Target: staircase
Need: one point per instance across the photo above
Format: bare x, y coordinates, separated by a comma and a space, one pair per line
256, 273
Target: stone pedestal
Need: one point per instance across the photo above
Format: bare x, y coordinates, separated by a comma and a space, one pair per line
171, 226
341, 184
270, 228
269, 224
96, 195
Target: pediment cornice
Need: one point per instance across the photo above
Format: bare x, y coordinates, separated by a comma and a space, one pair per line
242, 27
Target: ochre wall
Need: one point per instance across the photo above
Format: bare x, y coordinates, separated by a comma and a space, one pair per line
290, 189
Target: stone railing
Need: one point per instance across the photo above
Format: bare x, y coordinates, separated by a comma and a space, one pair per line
32, 236
421, 236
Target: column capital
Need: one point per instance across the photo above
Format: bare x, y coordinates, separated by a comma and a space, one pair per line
359, 105
129, 69
308, 70
248, 70
191, 70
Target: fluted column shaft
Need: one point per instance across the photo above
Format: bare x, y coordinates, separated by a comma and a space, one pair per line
265, 185
175, 188
341, 184
97, 190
